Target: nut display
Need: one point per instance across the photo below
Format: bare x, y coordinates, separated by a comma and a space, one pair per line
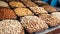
38, 10
29, 4
33, 24
6, 13
4, 4
11, 27
40, 3
50, 20
28, 17
16, 4
49, 8
56, 14
23, 11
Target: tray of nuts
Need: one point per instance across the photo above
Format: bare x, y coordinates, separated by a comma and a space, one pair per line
28, 17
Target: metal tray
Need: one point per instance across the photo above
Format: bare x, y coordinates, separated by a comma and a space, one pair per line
48, 30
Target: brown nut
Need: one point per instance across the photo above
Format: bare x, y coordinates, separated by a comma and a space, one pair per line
6, 13
49, 8
29, 4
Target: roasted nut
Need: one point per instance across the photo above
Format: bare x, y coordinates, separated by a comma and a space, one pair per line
23, 11
50, 20
29, 4
56, 14
14, 4
33, 24
38, 10
4, 4
49, 8
6, 13
41, 3
11, 27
